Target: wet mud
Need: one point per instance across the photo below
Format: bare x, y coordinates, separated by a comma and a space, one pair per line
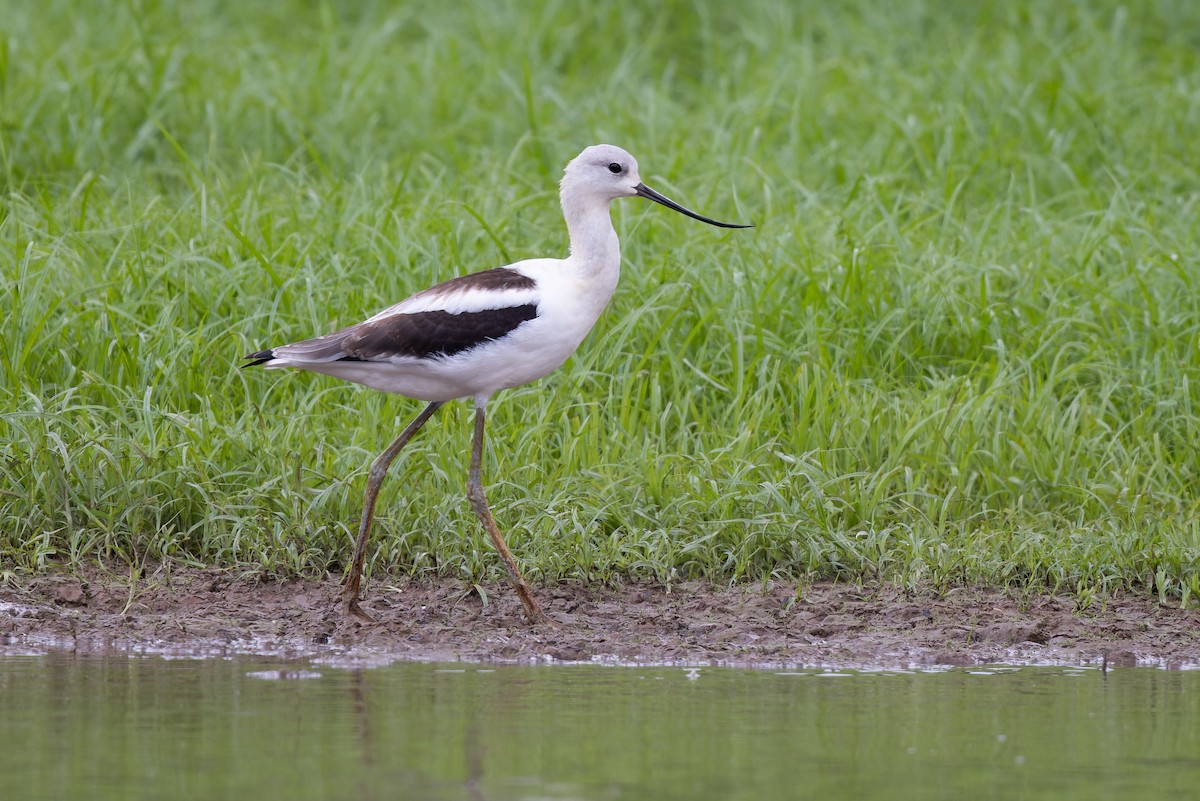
214, 613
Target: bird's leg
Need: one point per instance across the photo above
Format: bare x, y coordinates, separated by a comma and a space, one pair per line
379, 469
480, 505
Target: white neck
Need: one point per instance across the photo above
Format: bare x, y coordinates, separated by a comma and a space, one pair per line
595, 249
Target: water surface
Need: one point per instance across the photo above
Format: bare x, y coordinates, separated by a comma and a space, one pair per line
151, 728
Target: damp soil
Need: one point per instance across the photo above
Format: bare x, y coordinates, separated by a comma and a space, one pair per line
213, 613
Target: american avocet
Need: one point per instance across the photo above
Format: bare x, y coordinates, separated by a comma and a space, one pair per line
477, 334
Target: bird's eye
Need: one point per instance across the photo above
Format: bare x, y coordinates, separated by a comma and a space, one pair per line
615, 168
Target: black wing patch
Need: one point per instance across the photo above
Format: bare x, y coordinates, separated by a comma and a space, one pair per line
432, 334
496, 279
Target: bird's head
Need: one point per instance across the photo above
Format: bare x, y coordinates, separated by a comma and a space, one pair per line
603, 173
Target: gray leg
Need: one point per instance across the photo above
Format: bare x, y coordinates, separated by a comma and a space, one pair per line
480, 505
379, 469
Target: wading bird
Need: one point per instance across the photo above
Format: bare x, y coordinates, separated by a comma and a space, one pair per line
477, 334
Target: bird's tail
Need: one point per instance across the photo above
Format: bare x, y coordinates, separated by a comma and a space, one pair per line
262, 357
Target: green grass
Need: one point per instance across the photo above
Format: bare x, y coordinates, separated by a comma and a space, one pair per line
960, 346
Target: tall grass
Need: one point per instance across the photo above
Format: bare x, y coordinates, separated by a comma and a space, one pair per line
960, 346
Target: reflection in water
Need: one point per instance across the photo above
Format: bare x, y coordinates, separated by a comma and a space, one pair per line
362, 719
99, 728
473, 752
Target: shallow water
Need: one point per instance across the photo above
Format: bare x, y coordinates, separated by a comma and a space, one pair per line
112, 727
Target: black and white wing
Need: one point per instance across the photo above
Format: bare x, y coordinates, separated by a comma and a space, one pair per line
445, 320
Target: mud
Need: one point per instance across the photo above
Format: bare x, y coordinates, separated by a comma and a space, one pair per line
212, 613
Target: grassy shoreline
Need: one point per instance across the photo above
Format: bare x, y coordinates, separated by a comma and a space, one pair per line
960, 347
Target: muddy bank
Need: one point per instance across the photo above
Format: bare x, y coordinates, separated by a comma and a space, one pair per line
217, 613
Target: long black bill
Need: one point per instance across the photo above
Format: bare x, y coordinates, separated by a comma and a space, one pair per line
650, 194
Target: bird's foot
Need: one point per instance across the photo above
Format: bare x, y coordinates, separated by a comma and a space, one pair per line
540, 619
533, 611
350, 606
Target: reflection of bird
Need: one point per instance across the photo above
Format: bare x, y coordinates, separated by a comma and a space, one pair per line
480, 333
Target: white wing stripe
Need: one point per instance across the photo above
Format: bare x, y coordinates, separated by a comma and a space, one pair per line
469, 300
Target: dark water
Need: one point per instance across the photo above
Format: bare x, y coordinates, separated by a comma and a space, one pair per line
151, 728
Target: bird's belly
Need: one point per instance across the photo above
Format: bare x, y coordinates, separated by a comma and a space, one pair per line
533, 350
